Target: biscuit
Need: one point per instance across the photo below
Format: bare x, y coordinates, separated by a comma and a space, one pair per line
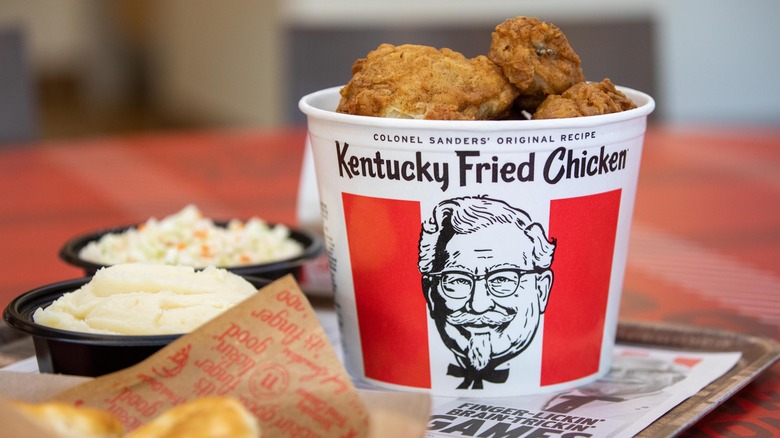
70, 421
210, 417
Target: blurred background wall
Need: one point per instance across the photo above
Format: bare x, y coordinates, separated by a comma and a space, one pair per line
113, 66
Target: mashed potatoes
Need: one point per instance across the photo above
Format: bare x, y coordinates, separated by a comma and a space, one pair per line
146, 299
189, 238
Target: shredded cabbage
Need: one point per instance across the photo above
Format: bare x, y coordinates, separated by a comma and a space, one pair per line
189, 238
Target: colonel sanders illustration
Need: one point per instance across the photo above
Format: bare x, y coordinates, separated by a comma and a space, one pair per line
486, 299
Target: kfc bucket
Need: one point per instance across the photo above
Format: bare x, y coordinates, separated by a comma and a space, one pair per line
476, 258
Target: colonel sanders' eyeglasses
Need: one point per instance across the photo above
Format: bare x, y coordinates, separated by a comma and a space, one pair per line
500, 283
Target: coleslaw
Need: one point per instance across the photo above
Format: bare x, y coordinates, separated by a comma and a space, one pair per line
189, 238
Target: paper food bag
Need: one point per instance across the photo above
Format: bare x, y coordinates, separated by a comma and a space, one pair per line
269, 352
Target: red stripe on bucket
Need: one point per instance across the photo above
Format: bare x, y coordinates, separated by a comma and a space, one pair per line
585, 229
391, 308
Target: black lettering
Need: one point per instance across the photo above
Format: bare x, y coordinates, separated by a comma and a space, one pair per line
393, 169
367, 167
556, 155
441, 173
463, 165
379, 163
501, 430
574, 163
542, 433
354, 165
422, 169
603, 168
467, 428
507, 172
340, 154
480, 168
407, 171
622, 159
591, 168
525, 171
436, 422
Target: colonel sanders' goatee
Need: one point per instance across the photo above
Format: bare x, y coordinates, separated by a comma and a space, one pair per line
480, 350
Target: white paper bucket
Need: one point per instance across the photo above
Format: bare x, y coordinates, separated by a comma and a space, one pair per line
476, 258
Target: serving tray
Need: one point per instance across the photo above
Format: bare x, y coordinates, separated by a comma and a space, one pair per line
758, 354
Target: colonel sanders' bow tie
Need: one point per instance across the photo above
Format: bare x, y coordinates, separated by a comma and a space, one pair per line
472, 377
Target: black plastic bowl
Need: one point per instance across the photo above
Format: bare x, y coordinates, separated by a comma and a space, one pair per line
81, 354
312, 247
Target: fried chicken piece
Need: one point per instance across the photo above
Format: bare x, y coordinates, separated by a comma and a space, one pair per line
536, 58
584, 99
420, 82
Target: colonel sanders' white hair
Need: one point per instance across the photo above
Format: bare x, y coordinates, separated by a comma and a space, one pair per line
470, 214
